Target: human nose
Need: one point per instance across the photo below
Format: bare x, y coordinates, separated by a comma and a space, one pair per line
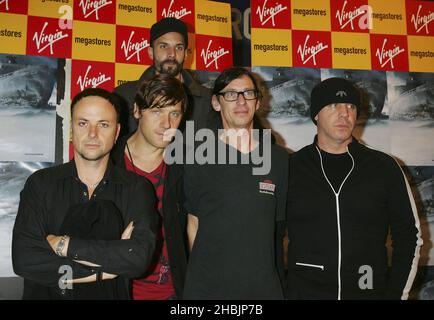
171, 52
343, 110
93, 130
241, 100
165, 121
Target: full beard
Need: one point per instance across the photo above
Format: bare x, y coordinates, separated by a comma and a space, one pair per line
172, 70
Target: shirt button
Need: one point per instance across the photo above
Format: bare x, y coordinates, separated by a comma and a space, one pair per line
130, 250
62, 292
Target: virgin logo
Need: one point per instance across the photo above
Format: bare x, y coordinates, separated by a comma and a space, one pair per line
133, 48
421, 22
307, 52
178, 14
348, 17
86, 82
266, 14
88, 7
6, 2
386, 56
44, 41
212, 56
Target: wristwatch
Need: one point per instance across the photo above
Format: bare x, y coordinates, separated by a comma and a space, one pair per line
61, 245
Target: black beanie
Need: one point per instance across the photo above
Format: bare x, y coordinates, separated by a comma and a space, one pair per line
333, 90
167, 25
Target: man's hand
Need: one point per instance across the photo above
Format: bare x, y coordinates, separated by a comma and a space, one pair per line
53, 241
128, 231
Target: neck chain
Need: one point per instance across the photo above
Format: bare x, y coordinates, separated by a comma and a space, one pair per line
131, 158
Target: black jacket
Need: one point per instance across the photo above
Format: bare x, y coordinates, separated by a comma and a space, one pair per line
337, 240
174, 216
45, 201
199, 101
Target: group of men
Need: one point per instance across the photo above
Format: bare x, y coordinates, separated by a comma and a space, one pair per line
119, 221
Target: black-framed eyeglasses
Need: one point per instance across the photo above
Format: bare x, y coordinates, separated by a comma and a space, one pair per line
230, 95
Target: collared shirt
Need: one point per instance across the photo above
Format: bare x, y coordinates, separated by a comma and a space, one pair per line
44, 202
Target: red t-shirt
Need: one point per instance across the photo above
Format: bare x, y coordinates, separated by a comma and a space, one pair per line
157, 283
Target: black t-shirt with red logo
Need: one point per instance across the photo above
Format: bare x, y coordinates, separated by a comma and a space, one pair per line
233, 256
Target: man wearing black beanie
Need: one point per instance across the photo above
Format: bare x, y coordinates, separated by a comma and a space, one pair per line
168, 50
343, 199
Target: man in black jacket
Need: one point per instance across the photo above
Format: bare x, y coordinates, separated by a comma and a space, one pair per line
168, 50
68, 229
343, 199
160, 104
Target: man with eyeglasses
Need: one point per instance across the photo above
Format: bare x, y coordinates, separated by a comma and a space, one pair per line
343, 199
232, 211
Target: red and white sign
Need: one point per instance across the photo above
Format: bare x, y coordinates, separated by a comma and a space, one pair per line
350, 15
389, 52
420, 18
275, 14
311, 49
132, 45
91, 74
95, 10
45, 38
179, 9
213, 53
13, 6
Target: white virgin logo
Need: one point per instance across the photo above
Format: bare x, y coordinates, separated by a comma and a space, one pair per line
348, 17
88, 7
178, 14
47, 40
266, 14
93, 82
212, 56
309, 52
6, 2
421, 22
385, 56
133, 48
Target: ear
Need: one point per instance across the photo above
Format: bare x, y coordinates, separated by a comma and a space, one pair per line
136, 112
151, 53
316, 118
257, 104
118, 130
215, 103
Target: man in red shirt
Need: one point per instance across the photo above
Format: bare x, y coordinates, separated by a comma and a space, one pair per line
159, 107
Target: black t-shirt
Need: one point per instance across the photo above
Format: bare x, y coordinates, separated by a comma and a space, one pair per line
336, 167
233, 256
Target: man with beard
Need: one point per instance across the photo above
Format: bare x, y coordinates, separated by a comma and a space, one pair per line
168, 50
85, 221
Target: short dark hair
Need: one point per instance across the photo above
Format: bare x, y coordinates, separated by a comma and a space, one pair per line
160, 91
230, 74
98, 92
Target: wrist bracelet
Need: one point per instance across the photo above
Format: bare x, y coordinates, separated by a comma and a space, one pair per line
61, 245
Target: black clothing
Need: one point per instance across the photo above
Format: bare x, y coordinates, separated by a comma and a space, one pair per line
233, 256
335, 236
173, 215
199, 101
97, 220
45, 200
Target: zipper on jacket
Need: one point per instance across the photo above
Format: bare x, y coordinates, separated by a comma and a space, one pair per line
338, 217
310, 265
